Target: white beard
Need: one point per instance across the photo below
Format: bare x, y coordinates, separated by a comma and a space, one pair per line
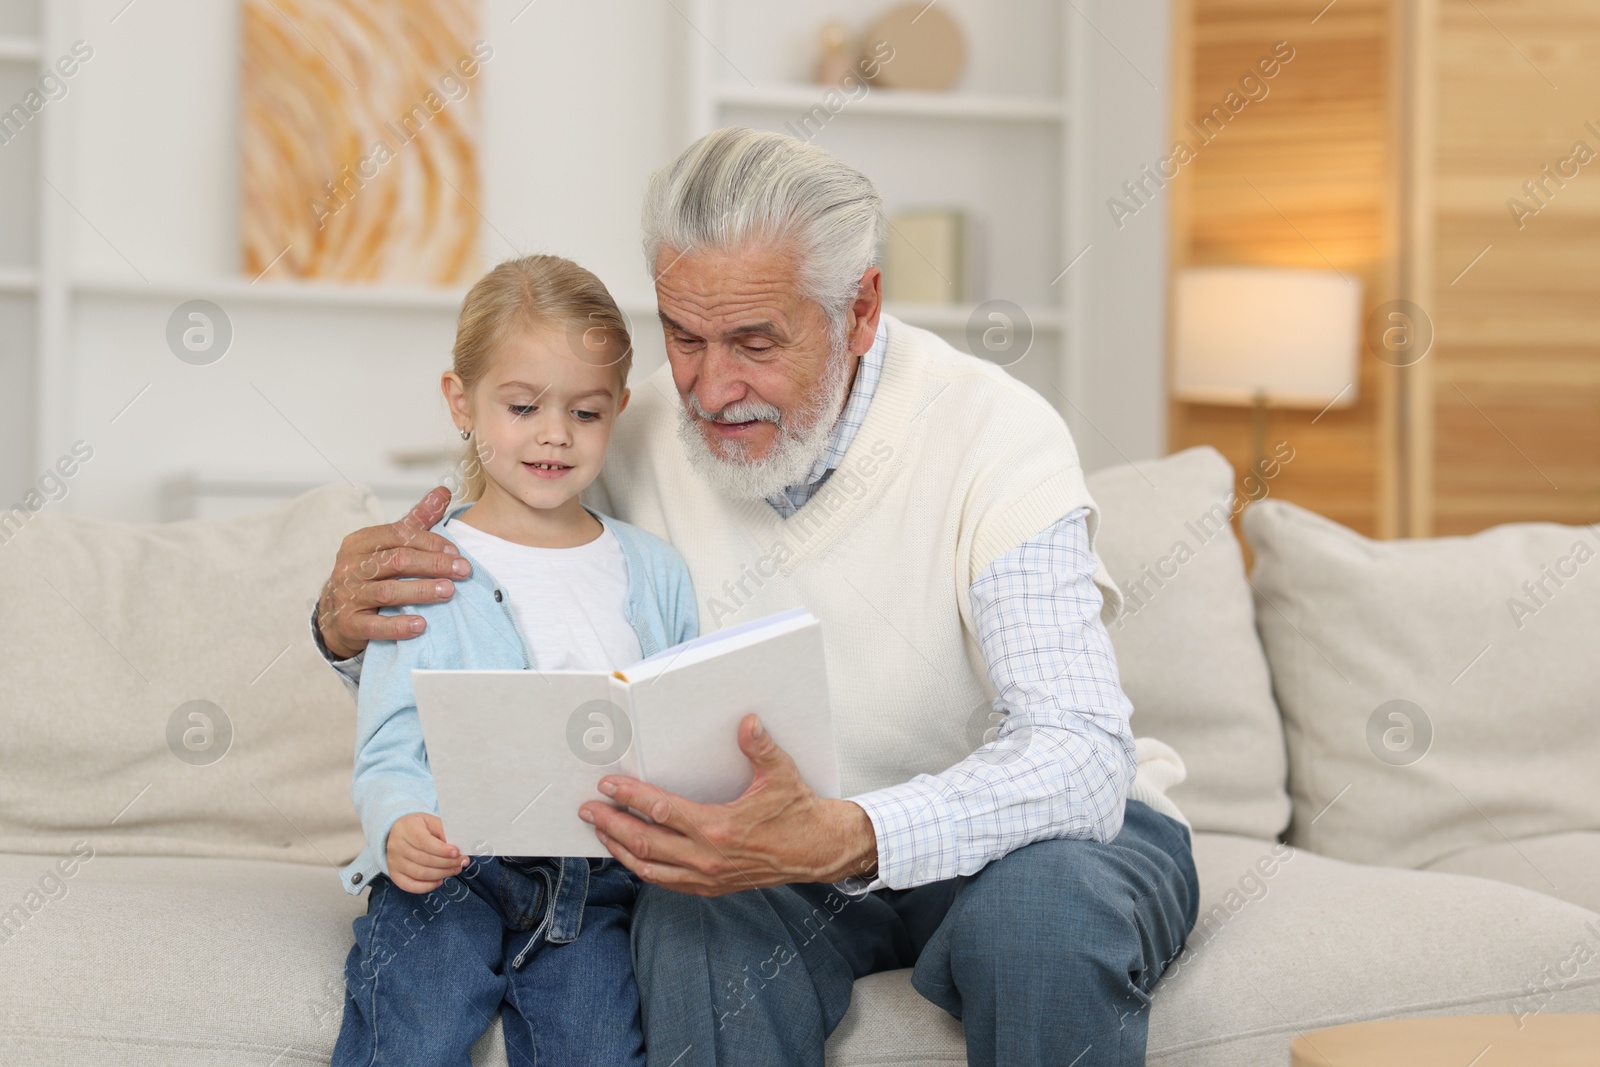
802, 438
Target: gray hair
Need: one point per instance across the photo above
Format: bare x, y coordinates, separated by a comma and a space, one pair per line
738, 185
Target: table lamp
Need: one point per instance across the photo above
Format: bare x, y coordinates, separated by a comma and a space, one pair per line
1266, 336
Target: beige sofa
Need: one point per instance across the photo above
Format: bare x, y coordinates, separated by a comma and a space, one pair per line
176, 764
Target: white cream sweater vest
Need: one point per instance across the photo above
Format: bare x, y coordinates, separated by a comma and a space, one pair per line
956, 464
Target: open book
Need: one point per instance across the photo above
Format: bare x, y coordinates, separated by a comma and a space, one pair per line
514, 753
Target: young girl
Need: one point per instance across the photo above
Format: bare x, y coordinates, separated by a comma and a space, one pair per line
539, 377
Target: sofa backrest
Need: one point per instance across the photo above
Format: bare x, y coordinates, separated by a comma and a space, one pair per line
159, 691
137, 654
1186, 641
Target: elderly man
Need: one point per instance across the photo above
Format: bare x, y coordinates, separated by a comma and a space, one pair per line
803, 448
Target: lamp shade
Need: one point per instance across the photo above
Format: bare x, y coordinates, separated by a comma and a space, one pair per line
1288, 336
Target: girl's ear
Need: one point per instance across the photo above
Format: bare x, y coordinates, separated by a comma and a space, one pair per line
455, 395
622, 401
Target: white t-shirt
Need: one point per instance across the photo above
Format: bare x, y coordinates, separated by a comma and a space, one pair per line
568, 602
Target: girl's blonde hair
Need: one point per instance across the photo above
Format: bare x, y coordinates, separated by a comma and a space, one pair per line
545, 292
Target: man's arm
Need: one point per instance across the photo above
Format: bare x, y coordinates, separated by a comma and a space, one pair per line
370, 572
1063, 759
348, 670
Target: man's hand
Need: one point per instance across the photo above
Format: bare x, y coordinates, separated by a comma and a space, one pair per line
777, 832
367, 576
420, 859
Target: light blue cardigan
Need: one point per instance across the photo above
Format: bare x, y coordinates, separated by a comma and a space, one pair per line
475, 630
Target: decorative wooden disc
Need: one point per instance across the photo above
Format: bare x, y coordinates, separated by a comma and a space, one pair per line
929, 49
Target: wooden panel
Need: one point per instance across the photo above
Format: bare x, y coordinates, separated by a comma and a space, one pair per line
1516, 367
1301, 178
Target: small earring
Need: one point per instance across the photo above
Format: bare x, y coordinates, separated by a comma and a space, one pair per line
465, 434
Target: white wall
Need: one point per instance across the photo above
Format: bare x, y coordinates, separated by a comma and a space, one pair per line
582, 100
1126, 280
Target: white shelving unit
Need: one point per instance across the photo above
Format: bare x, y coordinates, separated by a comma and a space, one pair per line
55, 302
1001, 145
81, 327
43, 292
18, 49
905, 102
18, 280
312, 294
244, 291
23, 268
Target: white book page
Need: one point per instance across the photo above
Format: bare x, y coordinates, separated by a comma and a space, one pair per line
689, 714
719, 641
514, 753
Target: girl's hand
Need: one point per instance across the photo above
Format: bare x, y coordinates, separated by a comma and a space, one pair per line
420, 859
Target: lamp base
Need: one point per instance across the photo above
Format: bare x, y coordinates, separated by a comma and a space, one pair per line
1258, 433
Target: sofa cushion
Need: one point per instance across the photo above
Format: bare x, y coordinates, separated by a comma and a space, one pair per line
889, 1023
173, 962
185, 962
1437, 694
122, 642
178, 962
1562, 865
1186, 640
1319, 942
1290, 941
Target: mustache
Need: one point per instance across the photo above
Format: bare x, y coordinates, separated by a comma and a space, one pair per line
738, 411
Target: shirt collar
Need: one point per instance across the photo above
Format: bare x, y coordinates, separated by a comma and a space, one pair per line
854, 412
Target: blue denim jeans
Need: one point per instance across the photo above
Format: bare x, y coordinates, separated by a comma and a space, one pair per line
547, 939
1048, 955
